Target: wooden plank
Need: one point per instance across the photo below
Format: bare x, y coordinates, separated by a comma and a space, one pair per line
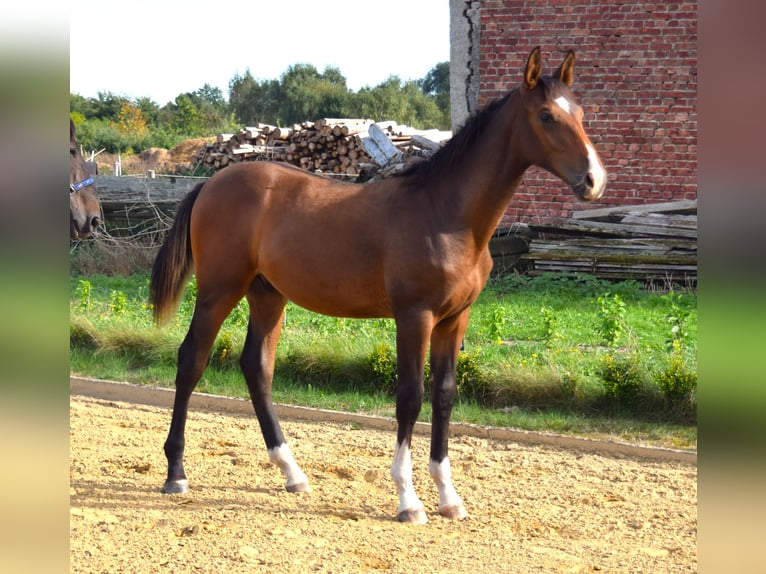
631, 259
665, 276
611, 229
605, 271
661, 220
617, 243
684, 205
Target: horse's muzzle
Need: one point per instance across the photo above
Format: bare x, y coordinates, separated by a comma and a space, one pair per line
84, 231
589, 189
593, 184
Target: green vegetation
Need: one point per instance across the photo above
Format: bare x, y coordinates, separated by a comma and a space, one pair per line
120, 124
563, 353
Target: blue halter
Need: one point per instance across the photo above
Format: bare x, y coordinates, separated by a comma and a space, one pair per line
75, 187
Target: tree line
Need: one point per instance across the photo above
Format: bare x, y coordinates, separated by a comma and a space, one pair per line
123, 125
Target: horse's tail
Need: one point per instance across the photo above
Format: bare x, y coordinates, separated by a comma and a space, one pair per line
173, 264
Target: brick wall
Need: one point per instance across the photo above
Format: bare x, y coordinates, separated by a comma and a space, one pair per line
636, 78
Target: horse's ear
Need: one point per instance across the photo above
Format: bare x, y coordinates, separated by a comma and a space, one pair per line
71, 130
565, 72
534, 68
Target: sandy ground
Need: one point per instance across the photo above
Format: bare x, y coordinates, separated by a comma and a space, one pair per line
532, 509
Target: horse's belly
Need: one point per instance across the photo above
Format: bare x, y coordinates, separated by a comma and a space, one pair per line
344, 308
331, 292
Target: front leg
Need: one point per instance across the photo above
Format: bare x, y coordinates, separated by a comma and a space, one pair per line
410, 508
297, 481
412, 334
445, 345
450, 503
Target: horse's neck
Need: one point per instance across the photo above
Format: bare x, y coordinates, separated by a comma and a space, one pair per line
487, 180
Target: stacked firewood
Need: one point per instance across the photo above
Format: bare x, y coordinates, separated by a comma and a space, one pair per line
330, 146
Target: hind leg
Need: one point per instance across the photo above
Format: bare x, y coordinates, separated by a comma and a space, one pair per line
257, 362
193, 356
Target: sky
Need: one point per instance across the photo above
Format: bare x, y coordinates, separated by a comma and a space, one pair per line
160, 49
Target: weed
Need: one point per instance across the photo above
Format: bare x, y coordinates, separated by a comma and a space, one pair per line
470, 376
622, 379
84, 290
225, 354
240, 315
382, 364
499, 327
611, 309
569, 385
118, 303
550, 335
189, 299
677, 382
677, 318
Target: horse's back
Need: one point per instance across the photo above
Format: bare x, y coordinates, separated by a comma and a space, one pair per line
318, 241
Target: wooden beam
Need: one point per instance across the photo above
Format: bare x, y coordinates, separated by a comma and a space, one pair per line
682, 206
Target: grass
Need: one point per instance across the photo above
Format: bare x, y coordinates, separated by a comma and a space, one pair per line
561, 353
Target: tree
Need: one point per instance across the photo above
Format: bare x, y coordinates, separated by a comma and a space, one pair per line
403, 102
309, 95
243, 98
212, 96
436, 81
187, 118
150, 110
130, 121
82, 106
108, 105
436, 84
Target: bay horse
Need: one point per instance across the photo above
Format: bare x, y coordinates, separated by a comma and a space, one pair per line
413, 247
84, 207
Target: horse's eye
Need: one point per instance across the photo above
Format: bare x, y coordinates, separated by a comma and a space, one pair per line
546, 117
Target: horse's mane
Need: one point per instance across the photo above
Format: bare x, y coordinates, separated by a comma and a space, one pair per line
458, 145
444, 159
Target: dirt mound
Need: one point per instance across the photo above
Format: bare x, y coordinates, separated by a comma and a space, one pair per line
176, 160
186, 150
154, 155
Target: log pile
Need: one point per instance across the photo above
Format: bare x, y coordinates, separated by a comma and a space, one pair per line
330, 146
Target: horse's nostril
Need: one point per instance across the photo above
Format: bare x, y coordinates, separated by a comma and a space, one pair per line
589, 181
95, 222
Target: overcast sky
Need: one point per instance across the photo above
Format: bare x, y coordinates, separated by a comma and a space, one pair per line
160, 49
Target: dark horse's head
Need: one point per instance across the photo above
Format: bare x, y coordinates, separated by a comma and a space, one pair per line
553, 134
84, 208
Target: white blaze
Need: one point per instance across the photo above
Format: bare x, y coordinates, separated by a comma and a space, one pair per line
564, 104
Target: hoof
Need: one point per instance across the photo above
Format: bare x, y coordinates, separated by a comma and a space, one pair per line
417, 516
299, 487
455, 512
176, 486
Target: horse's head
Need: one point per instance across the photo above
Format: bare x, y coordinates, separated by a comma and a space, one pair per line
84, 208
552, 130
